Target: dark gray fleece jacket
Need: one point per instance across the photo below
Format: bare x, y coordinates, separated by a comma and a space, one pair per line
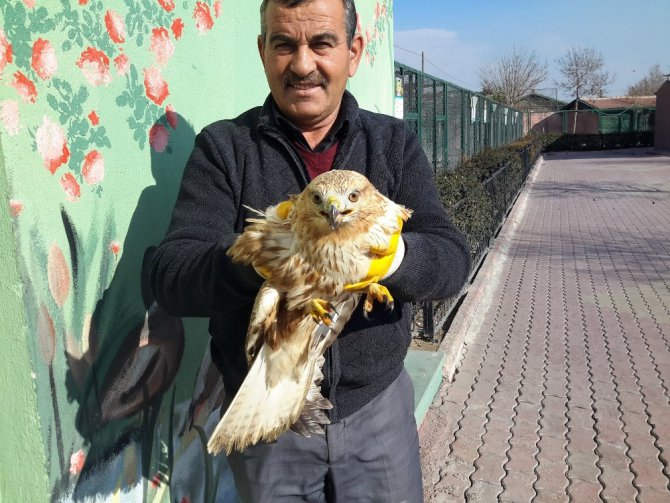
249, 161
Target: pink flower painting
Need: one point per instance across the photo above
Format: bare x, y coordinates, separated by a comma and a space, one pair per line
44, 60
158, 137
122, 64
93, 167
9, 115
29, 3
161, 45
116, 28
5, 51
171, 116
115, 247
217, 8
168, 5
58, 275
25, 87
203, 18
77, 461
155, 86
71, 187
93, 117
94, 65
15, 207
177, 28
51, 144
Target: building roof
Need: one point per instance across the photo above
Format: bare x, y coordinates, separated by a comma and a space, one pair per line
621, 102
535, 102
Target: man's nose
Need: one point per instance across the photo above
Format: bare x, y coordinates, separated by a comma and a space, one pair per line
302, 63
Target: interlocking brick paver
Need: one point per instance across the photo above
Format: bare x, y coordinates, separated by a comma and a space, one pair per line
564, 393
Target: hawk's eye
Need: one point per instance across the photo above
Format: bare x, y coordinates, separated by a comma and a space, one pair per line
353, 197
316, 199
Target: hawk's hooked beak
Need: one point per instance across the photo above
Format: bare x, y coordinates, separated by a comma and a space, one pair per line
333, 213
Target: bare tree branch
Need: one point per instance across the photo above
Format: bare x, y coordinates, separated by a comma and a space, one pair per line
583, 74
512, 76
649, 84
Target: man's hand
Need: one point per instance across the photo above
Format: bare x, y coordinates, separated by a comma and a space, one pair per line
384, 262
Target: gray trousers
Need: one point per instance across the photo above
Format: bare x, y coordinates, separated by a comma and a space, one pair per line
371, 456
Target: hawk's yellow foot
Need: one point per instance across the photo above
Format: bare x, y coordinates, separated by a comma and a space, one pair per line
320, 311
379, 293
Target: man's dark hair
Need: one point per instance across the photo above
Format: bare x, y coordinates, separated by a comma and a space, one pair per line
349, 16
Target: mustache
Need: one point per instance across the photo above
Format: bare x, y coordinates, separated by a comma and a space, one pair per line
314, 78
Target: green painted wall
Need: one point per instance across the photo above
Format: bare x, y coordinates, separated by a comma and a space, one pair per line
99, 106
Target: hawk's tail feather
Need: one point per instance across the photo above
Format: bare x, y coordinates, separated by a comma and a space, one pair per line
258, 412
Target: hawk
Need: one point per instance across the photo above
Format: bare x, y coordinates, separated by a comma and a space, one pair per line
320, 252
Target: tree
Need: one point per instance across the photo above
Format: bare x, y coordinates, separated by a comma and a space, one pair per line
583, 73
512, 76
649, 84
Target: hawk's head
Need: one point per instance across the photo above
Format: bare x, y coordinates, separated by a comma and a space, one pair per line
337, 200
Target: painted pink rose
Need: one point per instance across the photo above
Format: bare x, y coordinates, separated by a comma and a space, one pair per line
83, 2
115, 247
158, 137
202, 16
29, 3
51, 144
168, 5
217, 8
94, 65
155, 86
46, 335
5, 51
93, 168
93, 117
116, 28
25, 87
122, 64
44, 60
171, 116
161, 45
177, 28
71, 187
58, 274
9, 115
15, 207
77, 461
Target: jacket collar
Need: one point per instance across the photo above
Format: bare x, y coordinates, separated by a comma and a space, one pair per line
272, 118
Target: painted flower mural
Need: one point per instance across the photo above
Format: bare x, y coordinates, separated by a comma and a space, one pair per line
89, 90
44, 60
94, 65
25, 87
52, 144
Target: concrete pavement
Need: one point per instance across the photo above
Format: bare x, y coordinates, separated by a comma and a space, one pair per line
563, 387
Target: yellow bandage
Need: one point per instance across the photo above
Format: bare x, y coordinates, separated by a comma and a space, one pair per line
380, 265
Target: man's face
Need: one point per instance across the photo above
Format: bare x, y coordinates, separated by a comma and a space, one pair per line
307, 60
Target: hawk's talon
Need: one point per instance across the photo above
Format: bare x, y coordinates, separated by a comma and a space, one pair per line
320, 311
379, 293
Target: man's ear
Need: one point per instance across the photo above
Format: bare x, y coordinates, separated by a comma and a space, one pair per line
355, 53
261, 46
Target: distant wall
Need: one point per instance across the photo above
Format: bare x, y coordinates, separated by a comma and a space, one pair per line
106, 396
662, 126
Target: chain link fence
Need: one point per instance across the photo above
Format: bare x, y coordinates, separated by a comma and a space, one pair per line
453, 123
629, 120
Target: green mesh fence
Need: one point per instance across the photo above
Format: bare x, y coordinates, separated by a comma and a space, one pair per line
628, 120
451, 122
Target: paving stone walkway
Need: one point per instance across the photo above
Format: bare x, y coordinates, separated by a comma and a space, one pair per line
563, 394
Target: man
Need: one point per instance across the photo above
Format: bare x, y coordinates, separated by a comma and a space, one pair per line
310, 124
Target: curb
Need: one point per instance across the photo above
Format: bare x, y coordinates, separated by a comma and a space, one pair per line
470, 315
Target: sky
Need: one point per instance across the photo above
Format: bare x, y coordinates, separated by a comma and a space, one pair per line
458, 37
